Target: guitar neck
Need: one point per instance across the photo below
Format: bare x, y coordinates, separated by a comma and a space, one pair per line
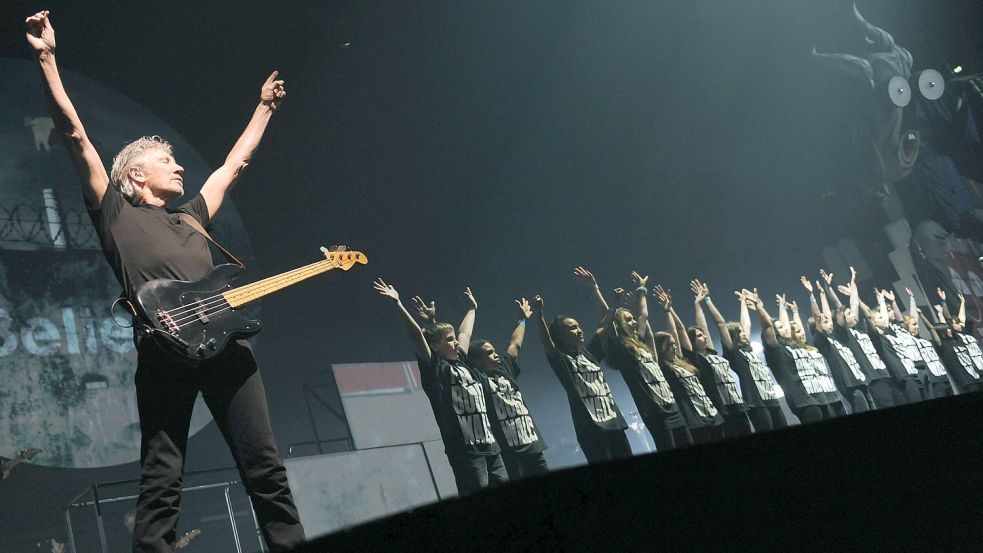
237, 297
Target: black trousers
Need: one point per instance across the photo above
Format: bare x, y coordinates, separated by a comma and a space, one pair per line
707, 434
473, 472
736, 425
606, 445
908, 390
233, 390
934, 390
859, 399
668, 432
524, 465
767, 418
816, 413
882, 392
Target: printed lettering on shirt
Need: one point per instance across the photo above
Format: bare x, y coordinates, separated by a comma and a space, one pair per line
697, 395
592, 389
973, 348
468, 400
931, 357
846, 354
656, 382
965, 360
725, 380
761, 376
812, 370
900, 347
870, 352
513, 416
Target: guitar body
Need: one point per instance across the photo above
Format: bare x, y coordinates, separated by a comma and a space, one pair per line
193, 319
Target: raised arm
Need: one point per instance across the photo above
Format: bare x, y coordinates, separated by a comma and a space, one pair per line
825, 302
827, 286
412, 329
701, 293
467, 323
895, 311
91, 171
666, 300
794, 308
641, 301
222, 180
913, 310
745, 315
767, 324
588, 278
962, 308
936, 339
782, 309
813, 306
945, 304
544, 329
719, 320
519, 334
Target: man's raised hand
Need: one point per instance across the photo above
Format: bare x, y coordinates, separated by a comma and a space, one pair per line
470, 297
272, 91
40, 33
385, 289
524, 308
426, 312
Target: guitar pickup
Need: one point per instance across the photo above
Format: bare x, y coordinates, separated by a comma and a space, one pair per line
166, 321
200, 312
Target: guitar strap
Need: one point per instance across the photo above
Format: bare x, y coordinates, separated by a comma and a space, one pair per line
193, 223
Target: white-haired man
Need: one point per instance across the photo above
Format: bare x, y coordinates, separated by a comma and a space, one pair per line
143, 240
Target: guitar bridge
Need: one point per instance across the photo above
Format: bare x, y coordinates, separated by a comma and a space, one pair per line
166, 321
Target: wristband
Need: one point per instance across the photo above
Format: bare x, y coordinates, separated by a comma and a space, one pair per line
642, 289
706, 299
521, 322
812, 299
399, 303
596, 287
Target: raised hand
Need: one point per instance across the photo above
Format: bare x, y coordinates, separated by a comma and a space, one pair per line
619, 295
385, 289
663, 296
470, 297
583, 274
853, 274
638, 279
828, 277
793, 306
40, 33
806, 284
845, 290
780, 299
524, 307
908, 291
424, 311
819, 286
537, 304
272, 91
700, 290
940, 293
888, 294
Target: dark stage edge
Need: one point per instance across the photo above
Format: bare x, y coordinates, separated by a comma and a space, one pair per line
907, 478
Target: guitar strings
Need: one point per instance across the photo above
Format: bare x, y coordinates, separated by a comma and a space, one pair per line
207, 302
214, 305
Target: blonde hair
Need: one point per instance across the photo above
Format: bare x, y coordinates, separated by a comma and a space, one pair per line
625, 336
662, 344
132, 156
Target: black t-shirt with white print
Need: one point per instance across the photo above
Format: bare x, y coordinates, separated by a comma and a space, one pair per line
804, 375
846, 370
931, 362
591, 404
718, 380
963, 358
899, 351
864, 351
757, 387
696, 406
645, 379
457, 396
512, 424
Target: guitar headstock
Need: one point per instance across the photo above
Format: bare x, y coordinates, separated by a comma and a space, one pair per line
29, 454
345, 258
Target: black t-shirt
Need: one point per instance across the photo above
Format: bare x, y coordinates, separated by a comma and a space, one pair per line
757, 387
804, 375
846, 370
646, 382
591, 404
864, 351
149, 242
934, 368
696, 406
718, 380
457, 396
899, 351
512, 424
963, 359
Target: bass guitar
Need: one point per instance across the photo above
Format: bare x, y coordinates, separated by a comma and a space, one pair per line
25, 455
196, 319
